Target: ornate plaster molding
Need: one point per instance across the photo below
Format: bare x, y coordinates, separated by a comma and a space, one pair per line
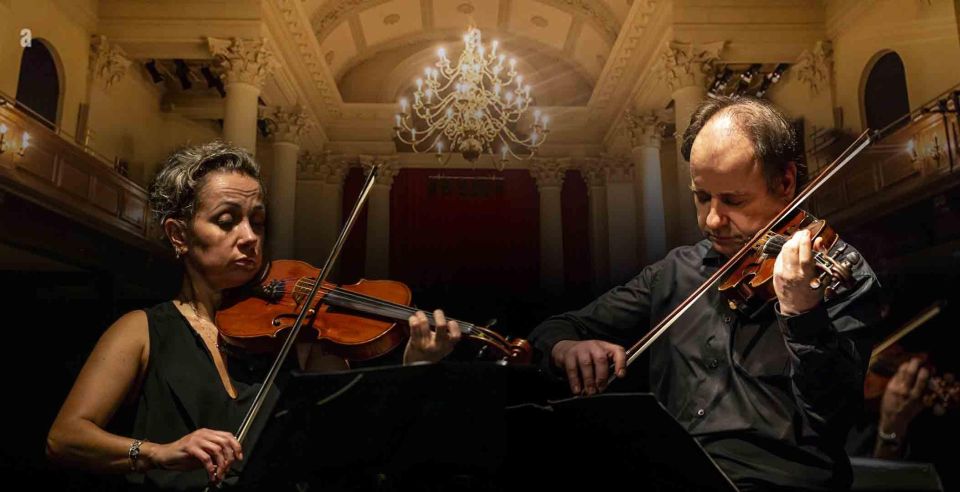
645, 129
688, 64
814, 66
288, 124
243, 60
626, 47
548, 171
108, 62
389, 167
299, 29
618, 169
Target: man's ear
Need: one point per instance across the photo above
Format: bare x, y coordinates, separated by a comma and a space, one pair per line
788, 181
176, 231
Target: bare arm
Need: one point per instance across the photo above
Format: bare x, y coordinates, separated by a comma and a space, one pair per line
118, 362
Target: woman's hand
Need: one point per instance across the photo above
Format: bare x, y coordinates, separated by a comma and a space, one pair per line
426, 345
210, 449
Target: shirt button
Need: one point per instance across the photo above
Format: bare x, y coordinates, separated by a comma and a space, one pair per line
713, 364
700, 413
727, 318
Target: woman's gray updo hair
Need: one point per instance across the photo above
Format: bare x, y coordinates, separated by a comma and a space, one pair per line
174, 192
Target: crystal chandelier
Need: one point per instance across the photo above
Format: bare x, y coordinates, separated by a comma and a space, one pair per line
473, 107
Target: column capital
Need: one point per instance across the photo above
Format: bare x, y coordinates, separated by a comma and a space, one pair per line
645, 129
617, 169
591, 168
108, 62
287, 124
243, 60
549, 171
688, 64
389, 167
814, 66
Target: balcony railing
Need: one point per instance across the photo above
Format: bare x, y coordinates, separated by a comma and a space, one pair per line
913, 157
45, 165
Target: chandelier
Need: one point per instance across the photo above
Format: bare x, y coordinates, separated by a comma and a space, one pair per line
473, 107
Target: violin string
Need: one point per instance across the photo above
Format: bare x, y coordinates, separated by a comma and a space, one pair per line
389, 309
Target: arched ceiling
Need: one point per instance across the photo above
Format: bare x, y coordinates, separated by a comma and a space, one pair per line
375, 48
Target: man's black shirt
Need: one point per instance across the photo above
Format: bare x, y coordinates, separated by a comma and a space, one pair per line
769, 396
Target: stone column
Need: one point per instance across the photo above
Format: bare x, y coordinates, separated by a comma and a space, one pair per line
246, 65
319, 205
621, 219
595, 177
287, 126
645, 134
549, 173
685, 66
378, 217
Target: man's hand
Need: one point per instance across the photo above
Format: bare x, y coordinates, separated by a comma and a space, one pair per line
587, 363
903, 399
792, 273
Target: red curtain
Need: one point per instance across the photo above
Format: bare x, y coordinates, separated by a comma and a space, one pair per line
472, 247
471, 236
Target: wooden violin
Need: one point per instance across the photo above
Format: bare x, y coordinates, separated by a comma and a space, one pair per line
361, 321
746, 279
942, 392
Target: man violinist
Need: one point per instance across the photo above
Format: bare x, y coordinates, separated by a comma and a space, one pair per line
769, 393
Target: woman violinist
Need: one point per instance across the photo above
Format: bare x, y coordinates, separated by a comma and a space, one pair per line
190, 391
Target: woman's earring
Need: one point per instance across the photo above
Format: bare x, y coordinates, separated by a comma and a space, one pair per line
177, 252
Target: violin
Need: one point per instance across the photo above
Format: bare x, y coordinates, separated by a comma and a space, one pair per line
942, 392
746, 279
751, 282
357, 322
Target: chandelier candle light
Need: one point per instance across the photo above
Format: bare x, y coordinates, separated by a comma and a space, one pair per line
472, 108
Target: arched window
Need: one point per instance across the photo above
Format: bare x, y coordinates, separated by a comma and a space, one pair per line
39, 85
885, 92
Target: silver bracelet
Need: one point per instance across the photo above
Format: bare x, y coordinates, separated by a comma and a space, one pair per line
134, 454
889, 439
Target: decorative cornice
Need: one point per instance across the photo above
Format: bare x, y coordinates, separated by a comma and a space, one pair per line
688, 64
335, 12
624, 49
549, 171
814, 67
311, 59
108, 62
645, 129
288, 124
247, 61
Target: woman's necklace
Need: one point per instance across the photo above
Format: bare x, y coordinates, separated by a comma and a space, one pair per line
201, 321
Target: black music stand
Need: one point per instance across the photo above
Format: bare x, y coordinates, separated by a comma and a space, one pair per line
462, 426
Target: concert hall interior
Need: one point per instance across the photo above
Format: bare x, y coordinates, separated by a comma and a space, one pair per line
554, 179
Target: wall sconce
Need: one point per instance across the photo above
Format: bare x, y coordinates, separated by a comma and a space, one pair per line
24, 143
5, 145
912, 150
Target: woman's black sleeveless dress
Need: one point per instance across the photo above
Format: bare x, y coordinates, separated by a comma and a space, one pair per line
182, 392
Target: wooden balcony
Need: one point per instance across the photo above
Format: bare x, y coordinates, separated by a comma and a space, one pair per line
913, 158
59, 175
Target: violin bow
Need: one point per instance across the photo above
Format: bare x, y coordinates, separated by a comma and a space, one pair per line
651, 336
258, 401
